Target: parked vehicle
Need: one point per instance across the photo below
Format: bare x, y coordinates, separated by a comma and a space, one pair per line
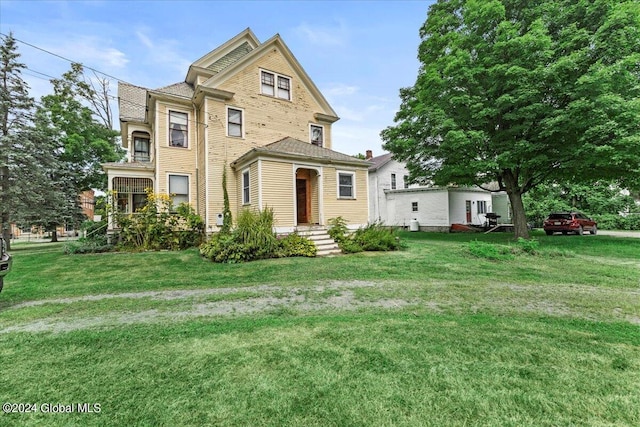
569, 222
5, 262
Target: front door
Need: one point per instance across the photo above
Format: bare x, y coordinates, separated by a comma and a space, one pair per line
468, 203
301, 201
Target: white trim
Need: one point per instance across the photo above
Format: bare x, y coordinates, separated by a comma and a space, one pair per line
248, 172
275, 84
353, 184
188, 175
260, 184
207, 194
311, 134
171, 109
242, 118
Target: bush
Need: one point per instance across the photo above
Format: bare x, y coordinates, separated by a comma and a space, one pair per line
530, 246
373, 237
156, 227
252, 239
296, 245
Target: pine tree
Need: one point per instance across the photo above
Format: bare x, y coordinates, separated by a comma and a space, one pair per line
16, 150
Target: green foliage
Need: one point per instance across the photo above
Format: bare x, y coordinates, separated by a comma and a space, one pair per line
252, 239
529, 246
490, 251
522, 93
602, 200
373, 237
227, 219
338, 229
155, 227
294, 245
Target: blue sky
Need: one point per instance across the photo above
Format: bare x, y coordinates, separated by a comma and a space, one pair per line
359, 53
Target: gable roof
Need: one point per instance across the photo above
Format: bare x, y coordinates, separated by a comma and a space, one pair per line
260, 50
379, 161
223, 56
295, 149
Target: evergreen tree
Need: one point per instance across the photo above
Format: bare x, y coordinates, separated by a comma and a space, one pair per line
17, 152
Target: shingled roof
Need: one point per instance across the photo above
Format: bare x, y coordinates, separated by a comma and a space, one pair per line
294, 148
230, 57
132, 102
179, 89
379, 161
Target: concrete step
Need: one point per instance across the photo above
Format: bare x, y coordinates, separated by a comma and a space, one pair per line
325, 245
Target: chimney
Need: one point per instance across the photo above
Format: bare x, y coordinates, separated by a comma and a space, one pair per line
369, 155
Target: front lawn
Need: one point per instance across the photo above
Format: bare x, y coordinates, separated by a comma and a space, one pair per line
431, 335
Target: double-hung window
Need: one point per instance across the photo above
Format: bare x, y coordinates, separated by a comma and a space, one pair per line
179, 189
414, 206
246, 188
268, 83
273, 84
317, 135
141, 149
234, 122
393, 181
482, 206
346, 185
405, 179
178, 129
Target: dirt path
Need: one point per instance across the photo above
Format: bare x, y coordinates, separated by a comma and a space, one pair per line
571, 301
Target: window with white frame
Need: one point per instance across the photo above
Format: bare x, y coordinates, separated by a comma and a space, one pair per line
316, 134
284, 87
482, 206
179, 189
346, 185
393, 181
405, 180
273, 84
414, 206
246, 188
234, 122
141, 148
178, 129
267, 83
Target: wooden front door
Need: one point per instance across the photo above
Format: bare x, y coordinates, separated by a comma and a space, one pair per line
468, 203
301, 201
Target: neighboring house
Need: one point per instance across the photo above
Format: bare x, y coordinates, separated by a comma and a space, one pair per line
248, 107
394, 202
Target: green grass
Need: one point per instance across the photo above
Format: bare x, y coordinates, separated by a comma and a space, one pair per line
432, 335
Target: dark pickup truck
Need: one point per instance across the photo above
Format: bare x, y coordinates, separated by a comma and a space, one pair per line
5, 262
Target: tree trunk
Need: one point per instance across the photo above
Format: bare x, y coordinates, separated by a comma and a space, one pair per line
520, 226
54, 236
6, 228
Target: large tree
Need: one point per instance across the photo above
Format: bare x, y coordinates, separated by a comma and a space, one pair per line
522, 92
16, 149
79, 114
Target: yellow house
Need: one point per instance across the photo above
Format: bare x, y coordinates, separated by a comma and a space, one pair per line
251, 108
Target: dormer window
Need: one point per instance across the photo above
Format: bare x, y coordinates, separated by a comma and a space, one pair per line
268, 87
316, 134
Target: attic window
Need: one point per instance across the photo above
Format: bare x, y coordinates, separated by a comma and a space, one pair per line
268, 85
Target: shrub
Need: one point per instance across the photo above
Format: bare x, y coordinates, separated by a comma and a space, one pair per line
156, 227
373, 237
252, 239
338, 229
296, 245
